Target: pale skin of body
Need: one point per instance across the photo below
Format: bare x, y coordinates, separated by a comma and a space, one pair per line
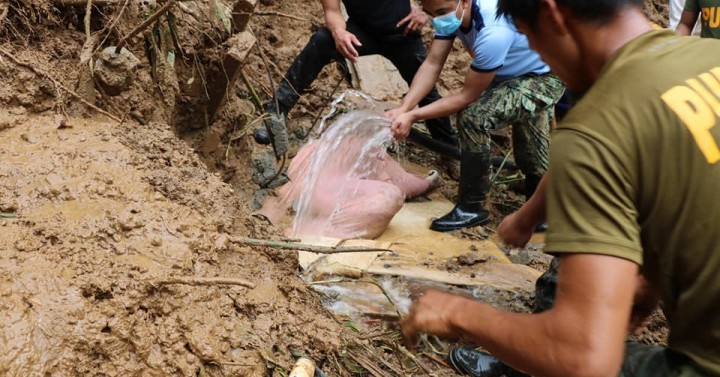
346, 42
584, 333
343, 207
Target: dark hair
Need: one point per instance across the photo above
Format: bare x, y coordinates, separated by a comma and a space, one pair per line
598, 11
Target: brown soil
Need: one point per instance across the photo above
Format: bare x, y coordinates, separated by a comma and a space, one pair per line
95, 214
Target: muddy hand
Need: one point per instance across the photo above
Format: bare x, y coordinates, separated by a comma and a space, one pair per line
430, 314
415, 20
514, 232
345, 43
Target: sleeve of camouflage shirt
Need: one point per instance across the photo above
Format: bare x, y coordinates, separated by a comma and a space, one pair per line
591, 207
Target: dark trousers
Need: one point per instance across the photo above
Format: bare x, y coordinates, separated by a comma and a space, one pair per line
406, 53
641, 360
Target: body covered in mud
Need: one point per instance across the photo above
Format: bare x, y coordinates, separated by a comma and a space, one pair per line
345, 185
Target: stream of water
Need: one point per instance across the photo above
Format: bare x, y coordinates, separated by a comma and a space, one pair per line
348, 151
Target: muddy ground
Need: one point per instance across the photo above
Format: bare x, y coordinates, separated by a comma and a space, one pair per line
97, 216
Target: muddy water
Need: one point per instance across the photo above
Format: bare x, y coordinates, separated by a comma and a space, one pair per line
92, 213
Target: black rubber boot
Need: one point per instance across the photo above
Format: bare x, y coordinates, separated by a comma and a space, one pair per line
531, 184
479, 364
474, 185
545, 288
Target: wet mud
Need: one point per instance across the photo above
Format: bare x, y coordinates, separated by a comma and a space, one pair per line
94, 215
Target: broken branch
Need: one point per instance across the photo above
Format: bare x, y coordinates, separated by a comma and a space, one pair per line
271, 13
412, 357
435, 359
144, 25
189, 280
253, 93
304, 247
97, 2
58, 84
367, 364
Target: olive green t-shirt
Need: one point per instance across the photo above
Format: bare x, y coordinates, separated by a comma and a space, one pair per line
709, 16
635, 173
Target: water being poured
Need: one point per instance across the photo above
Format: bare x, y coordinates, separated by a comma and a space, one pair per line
341, 171
366, 102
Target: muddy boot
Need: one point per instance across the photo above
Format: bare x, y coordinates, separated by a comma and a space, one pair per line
273, 131
545, 288
474, 363
531, 184
474, 185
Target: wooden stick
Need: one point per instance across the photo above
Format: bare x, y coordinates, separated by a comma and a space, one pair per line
271, 13
191, 280
304, 247
381, 360
73, 3
251, 89
88, 35
414, 359
88, 11
57, 83
4, 14
144, 25
435, 359
367, 364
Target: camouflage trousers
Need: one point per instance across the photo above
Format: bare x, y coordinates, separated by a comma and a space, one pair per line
525, 102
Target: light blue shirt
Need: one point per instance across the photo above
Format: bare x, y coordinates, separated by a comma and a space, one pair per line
496, 45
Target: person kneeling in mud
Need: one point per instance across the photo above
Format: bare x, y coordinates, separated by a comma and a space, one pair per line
345, 185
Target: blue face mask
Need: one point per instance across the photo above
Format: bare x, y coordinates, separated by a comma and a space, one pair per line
448, 23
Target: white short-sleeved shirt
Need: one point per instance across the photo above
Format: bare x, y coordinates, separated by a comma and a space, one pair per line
495, 44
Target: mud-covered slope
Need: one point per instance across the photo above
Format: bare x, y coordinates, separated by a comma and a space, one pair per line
94, 215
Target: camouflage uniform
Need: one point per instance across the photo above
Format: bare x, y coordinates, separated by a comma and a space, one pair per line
527, 102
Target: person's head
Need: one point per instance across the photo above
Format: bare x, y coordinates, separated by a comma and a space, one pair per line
441, 10
553, 28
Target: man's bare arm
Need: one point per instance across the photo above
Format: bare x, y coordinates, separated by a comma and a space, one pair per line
517, 228
582, 335
334, 19
345, 42
428, 73
687, 22
474, 85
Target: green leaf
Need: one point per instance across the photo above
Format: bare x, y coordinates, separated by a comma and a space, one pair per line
351, 326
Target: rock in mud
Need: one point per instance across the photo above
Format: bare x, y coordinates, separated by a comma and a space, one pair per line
116, 71
470, 259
